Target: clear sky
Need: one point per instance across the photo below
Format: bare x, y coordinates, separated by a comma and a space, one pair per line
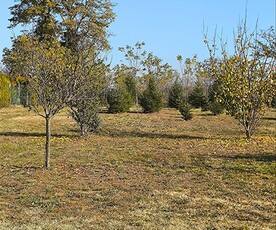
170, 27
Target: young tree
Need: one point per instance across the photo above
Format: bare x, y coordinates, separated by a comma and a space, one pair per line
119, 97
131, 88
46, 68
246, 83
153, 67
119, 100
89, 73
134, 57
85, 113
197, 98
123, 75
176, 94
151, 99
185, 110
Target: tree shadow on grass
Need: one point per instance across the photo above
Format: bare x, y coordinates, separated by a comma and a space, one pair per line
122, 133
32, 134
266, 157
206, 115
19, 168
269, 118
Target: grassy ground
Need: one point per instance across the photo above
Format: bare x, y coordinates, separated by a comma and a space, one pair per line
140, 171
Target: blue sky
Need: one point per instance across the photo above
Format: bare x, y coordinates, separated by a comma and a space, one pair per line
170, 27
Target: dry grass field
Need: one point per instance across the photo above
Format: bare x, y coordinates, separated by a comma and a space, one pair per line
140, 171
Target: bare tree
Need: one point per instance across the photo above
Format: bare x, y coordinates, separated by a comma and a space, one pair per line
188, 70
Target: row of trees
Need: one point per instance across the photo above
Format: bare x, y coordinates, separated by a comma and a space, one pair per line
126, 85
62, 60
242, 83
153, 85
145, 80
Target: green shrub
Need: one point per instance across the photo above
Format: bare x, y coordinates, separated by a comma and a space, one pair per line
185, 110
5, 92
151, 99
119, 100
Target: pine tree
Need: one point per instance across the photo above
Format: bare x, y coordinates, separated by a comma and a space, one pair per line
119, 100
197, 99
151, 99
176, 95
185, 110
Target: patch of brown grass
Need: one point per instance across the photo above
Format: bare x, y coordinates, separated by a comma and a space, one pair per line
140, 171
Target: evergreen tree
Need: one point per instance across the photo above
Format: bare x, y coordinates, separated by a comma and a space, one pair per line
119, 100
151, 99
176, 95
197, 98
122, 94
185, 110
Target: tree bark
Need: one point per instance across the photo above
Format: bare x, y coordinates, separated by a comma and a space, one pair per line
48, 141
248, 133
82, 129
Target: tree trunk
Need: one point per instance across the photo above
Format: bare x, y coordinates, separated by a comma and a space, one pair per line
27, 98
19, 94
248, 133
48, 141
248, 129
82, 129
136, 98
